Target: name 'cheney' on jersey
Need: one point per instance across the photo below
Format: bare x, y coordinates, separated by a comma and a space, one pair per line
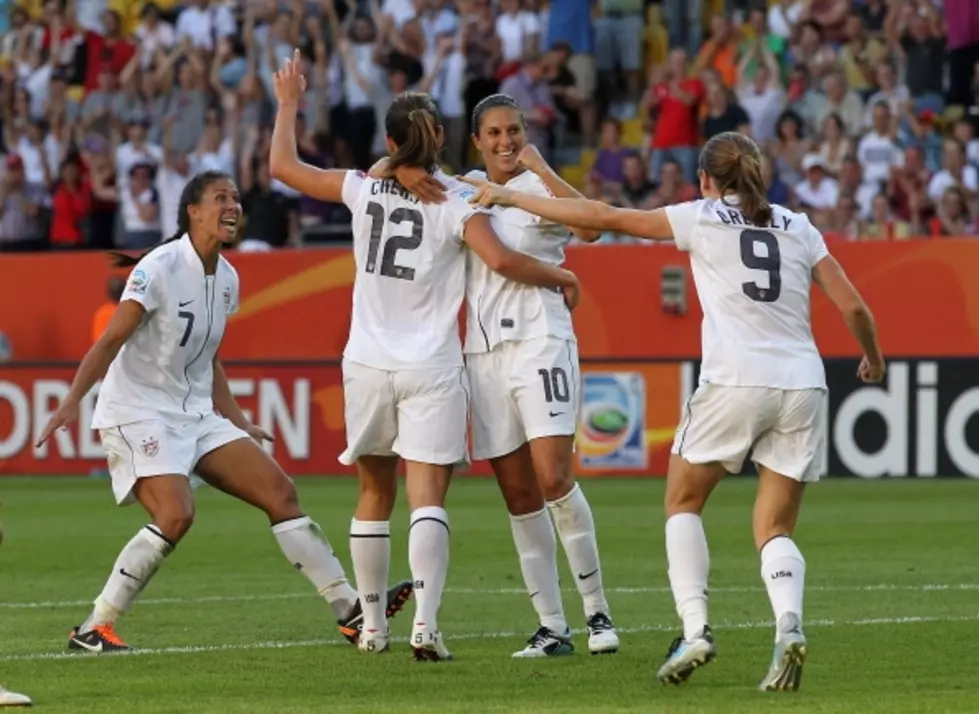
500, 310
165, 369
754, 287
410, 274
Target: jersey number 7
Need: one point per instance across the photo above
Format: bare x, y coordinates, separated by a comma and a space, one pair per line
770, 263
393, 244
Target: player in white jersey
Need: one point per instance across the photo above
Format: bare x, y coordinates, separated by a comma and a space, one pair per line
522, 359
762, 385
405, 386
165, 410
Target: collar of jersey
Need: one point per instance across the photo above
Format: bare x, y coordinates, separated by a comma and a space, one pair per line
191, 256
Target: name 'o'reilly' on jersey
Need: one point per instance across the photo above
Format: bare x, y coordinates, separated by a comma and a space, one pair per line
754, 287
165, 369
501, 310
410, 273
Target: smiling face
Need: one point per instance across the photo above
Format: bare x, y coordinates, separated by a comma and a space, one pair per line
500, 137
218, 213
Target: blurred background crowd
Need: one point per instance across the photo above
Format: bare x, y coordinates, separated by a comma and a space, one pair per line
867, 110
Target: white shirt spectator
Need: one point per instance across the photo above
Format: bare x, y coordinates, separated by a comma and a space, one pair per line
782, 19
161, 37
513, 31
34, 158
449, 86
130, 210
944, 180
400, 11
763, 110
201, 25
221, 160
169, 185
128, 156
877, 154
362, 55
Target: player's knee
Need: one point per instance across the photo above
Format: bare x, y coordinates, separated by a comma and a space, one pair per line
281, 501
377, 498
174, 520
522, 497
555, 482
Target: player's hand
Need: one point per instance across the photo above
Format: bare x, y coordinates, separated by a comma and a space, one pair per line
531, 159
258, 433
420, 183
871, 373
289, 83
67, 413
572, 295
489, 194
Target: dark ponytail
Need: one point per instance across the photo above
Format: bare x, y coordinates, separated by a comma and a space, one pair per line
191, 195
733, 161
413, 124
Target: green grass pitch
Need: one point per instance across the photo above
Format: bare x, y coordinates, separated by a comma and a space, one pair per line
227, 626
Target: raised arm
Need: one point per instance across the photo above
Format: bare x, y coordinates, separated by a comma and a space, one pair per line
284, 163
532, 159
578, 212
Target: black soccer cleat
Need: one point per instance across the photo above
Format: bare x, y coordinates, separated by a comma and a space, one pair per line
397, 597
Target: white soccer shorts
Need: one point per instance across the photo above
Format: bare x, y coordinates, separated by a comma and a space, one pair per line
160, 447
784, 429
417, 414
523, 391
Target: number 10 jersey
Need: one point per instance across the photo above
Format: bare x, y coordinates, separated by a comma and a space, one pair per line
410, 274
754, 287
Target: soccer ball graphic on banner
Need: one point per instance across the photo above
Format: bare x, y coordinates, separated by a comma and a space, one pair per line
612, 423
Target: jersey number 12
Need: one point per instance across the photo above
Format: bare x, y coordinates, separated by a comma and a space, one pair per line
393, 244
770, 263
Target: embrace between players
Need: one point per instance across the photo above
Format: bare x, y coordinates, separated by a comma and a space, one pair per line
165, 409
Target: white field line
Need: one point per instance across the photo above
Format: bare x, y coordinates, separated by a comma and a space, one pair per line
203, 649
879, 587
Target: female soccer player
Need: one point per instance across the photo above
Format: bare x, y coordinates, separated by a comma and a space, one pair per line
158, 415
405, 387
762, 385
520, 344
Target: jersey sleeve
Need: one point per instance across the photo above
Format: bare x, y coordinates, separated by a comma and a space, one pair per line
817, 246
457, 211
145, 285
683, 221
352, 183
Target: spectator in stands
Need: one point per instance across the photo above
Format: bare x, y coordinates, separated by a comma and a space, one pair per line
720, 52
817, 190
672, 189
637, 190
860, 55
789, 147
20, 207
778, 190
842, 101
529, 87
951, 214
70, 207
572, 98
888, 90
670, 109
140, 204
852, 181
618, 44
845, 220
915, 34
761, 96
834, 144
963, 131
723, 113
883, 223
113, 289
611, 155
878, 151
954, 172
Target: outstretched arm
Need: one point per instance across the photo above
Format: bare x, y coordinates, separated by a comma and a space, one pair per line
532, 159
284, 163
579, 212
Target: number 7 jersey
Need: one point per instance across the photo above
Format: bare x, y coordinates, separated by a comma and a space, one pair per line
754, 287
410, 274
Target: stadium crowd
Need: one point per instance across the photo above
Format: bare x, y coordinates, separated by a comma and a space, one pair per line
867, 109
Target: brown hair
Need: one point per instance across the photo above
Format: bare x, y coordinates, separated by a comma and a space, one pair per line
191, 195
733, 161
413, 124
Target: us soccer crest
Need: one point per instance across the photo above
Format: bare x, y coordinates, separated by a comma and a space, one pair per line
150, 447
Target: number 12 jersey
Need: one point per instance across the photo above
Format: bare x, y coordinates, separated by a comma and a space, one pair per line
754, 287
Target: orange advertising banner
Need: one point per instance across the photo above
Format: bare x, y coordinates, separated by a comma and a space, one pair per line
296, 303
628, 417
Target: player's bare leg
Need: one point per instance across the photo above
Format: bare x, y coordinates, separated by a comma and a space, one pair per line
783, 569
169, 502
428, 553
243, 470
13, 699
688, 487
553, 462
370, 545
533, 535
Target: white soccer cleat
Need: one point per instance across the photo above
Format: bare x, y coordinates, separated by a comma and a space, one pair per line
13, 699
373, 641
602, 638
427, 645
686, 656
785, 672
546, 643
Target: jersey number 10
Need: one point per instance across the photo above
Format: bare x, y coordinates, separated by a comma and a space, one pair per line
770, 263
393, 244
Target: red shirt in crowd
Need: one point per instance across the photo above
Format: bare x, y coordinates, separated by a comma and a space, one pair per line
677, 123
69, 208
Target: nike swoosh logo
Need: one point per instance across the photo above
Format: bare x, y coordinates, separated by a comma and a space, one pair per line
587, 575
91, 648
554, 414
533, 595
122, 572
185, 304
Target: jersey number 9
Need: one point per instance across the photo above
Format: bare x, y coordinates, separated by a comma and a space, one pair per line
770, 263
393, 244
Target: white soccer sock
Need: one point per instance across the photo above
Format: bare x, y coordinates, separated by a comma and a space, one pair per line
533, 534
784, 571
428, 556
135, 566
689, 566
304, 544
370, 550
576, 526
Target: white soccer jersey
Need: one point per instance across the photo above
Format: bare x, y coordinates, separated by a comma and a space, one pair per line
411, 274
500, 310
165, 368
754, 287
